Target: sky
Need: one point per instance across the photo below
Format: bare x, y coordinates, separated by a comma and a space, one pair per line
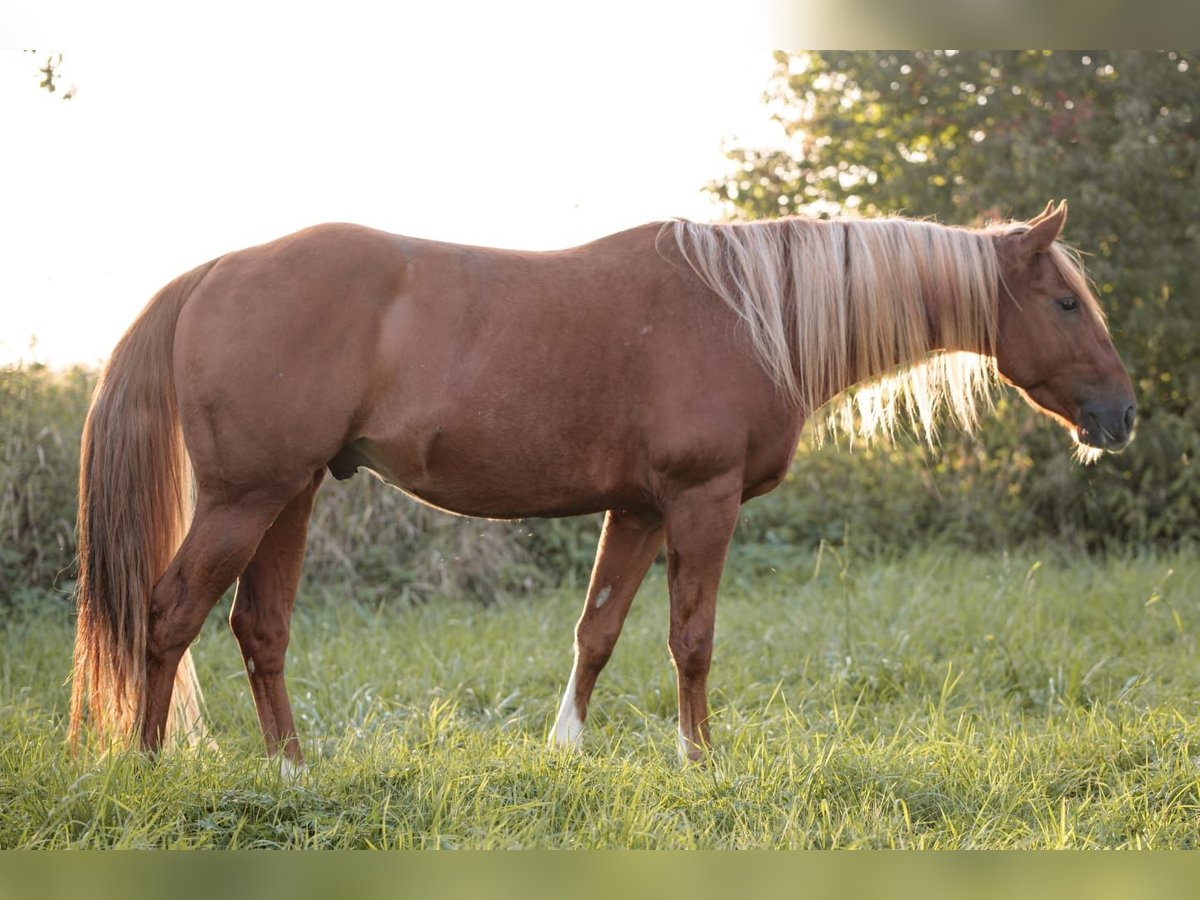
519, 124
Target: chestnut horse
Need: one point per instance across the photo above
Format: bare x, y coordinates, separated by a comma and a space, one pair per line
661, 375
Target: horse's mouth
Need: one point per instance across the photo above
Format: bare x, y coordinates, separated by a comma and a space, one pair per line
1097, 437
1106, 426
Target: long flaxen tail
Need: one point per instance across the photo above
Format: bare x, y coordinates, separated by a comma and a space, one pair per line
134, 507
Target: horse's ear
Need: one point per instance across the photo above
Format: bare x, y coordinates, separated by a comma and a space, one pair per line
1045, 229
1045, 212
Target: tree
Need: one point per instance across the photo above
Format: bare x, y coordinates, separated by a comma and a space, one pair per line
967, 136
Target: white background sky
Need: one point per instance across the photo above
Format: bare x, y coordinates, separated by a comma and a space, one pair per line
526, 124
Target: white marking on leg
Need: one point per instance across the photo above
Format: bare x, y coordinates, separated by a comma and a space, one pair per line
684, 745
568, 727
250, 665
289, 770
603, 595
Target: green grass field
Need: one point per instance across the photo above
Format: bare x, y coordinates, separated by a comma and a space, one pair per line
936, 699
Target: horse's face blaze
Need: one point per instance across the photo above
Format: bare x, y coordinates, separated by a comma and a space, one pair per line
1053, 345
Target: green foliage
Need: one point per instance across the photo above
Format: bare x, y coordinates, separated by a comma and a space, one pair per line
41, 417
974, 135
369, 538
928, 699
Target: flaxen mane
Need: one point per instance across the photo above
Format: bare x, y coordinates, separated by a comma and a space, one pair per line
830, 305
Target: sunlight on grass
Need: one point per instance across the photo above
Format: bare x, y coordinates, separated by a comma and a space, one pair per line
937, 699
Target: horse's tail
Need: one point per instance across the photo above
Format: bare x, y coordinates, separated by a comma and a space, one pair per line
134, 506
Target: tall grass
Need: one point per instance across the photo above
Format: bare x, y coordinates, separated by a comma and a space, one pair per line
41, 417
929, 699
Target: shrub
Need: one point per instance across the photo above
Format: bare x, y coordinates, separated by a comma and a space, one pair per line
41, 416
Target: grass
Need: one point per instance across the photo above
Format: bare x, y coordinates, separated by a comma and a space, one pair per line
934, 699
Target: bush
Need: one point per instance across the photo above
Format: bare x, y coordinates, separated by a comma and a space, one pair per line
1015, 483
41, 417
381, 543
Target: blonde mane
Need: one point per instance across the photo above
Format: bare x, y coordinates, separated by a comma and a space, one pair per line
870, 318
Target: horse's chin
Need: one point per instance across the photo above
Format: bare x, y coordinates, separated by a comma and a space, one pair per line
1086, 453
1091, 444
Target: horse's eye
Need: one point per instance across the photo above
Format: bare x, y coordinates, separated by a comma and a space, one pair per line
1068, 304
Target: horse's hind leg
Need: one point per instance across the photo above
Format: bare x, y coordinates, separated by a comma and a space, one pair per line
628, 544
261, 619
221, 540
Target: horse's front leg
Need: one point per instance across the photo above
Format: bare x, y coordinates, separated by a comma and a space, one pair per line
699, 524
628, 545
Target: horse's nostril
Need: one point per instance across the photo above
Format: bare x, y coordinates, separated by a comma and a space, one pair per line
1130, 417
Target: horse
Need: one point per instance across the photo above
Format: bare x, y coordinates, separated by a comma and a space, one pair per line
660, 375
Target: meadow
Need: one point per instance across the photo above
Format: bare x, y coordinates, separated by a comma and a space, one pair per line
930, 698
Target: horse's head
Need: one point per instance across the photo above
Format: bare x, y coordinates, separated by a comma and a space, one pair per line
1052, 342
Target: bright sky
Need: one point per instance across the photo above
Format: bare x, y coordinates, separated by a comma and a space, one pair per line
510, 124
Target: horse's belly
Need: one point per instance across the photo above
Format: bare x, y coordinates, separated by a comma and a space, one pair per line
493, 480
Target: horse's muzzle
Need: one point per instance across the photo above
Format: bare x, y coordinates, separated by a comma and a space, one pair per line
1106, 426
